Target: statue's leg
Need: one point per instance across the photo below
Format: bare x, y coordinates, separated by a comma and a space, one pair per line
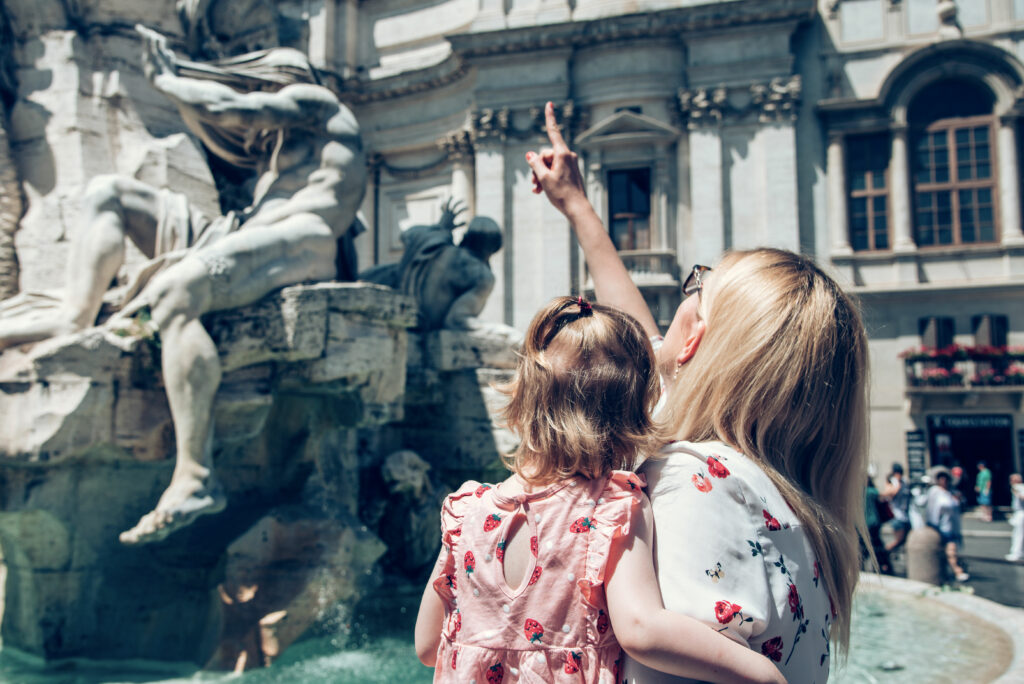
114, 207
235, 271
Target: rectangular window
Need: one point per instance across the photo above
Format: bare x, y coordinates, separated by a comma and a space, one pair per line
954, 183
867, 173
629, 208
935, 331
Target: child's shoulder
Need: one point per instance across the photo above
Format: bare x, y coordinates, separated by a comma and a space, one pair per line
459, 502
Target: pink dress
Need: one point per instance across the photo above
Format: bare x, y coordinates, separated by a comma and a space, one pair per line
555, 627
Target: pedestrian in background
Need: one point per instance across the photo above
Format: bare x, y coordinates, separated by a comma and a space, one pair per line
1016, 518
873, 507
983, 486
942, 513
898, 494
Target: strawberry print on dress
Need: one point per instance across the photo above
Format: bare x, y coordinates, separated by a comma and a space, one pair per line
716, 469
559, 607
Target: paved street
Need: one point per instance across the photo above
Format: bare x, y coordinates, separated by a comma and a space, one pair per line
985, 544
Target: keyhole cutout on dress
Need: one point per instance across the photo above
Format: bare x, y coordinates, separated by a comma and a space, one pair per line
518, 557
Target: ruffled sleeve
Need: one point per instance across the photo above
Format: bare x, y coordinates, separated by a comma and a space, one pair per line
609, 525
452, 512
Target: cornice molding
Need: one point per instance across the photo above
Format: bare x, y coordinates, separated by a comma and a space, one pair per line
674, 23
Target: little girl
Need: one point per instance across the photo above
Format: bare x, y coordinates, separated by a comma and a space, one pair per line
545, 576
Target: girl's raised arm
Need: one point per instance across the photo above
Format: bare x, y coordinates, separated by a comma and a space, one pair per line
556, 173
667, 641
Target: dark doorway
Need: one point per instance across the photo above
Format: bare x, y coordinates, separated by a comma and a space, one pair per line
967, 440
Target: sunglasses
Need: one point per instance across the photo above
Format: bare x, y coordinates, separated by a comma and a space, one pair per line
694, 282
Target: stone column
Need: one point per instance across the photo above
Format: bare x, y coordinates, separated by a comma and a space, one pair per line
459, 147
1009, 183
659, 208
837, 210
489, 199
899, 172
781, 225
706, 181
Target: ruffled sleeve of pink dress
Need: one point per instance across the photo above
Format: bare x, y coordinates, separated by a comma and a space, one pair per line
554, 627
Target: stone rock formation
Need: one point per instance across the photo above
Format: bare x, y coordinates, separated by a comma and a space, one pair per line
86, 442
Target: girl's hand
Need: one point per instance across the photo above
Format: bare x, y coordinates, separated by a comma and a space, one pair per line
556, 170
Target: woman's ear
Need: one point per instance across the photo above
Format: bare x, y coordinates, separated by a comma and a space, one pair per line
691, 343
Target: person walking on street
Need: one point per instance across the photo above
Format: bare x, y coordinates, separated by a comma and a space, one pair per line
1016, 518
873, 520
983, 486
898, 494
942, 513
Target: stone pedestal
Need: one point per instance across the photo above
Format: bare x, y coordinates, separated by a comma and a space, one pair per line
86, 447
925, 557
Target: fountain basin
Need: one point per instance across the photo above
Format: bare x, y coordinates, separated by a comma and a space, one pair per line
903, 631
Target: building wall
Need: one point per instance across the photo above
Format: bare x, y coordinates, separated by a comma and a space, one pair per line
743, 112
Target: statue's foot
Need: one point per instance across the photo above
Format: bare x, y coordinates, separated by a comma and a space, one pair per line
171, 516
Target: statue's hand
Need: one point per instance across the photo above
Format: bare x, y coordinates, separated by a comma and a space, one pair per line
449, 212
157, 59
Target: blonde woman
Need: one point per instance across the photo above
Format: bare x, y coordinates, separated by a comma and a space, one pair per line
757, 506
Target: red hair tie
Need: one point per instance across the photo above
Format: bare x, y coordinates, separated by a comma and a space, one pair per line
584, 305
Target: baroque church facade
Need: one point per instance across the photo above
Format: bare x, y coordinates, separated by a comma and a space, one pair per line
880, 136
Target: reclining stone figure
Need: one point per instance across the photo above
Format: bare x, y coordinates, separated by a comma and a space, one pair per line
450, 283
264, 111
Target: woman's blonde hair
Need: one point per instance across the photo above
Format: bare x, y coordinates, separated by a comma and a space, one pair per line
582, 394
781, 375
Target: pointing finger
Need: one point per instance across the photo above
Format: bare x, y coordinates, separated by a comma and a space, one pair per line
554, 134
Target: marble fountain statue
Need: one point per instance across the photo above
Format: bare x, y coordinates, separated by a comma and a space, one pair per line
206, 460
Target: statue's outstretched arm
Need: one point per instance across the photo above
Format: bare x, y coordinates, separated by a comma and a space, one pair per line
222, 105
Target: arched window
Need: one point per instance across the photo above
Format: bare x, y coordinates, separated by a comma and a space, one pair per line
952, 134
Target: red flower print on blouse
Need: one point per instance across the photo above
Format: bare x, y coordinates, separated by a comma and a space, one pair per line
573, 660
470, 562
701, 482
581, 525
534, 631
771, 523
535, 576
534, 546
716, 468
794, 600
495, 673
491, 522
602, 621
726, 611
456, 621
773, 648
481, 489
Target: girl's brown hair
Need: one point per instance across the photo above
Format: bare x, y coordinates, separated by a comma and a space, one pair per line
582, 394
781, 375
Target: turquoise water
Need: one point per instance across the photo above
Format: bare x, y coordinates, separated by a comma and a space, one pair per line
897, 638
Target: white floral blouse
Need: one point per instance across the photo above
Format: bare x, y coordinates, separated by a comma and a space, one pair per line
731, 553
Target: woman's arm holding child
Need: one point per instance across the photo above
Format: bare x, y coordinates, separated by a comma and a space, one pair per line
667, 641
556, 172
430, 619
